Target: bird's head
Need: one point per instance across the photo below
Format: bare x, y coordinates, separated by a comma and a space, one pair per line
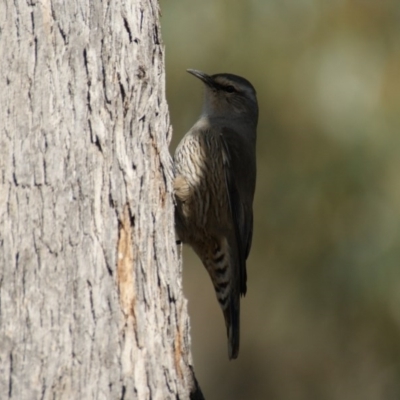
228, 96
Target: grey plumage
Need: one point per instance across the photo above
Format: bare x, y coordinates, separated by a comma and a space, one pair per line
215, 173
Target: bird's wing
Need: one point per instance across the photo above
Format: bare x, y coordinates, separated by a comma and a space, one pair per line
239, 163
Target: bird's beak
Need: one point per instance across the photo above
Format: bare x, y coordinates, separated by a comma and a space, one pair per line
202, 76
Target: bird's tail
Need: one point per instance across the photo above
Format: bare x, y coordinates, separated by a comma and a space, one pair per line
232, 322
227, 288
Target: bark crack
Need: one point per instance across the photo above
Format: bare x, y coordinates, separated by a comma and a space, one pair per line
156, 37
141, 20
10, 386
123, 392
85, 60
103, 72
60, 29
128, 29
123, 95
35, 42
91, 300
17, 14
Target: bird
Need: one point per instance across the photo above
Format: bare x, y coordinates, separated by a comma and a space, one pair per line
214, 185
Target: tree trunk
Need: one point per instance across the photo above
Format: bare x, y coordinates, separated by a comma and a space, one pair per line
91, 304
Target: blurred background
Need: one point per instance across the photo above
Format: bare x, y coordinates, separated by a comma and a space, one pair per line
321, 319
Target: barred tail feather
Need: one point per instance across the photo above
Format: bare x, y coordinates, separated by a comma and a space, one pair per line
232, 322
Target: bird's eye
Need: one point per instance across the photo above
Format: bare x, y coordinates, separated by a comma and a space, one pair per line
230, 89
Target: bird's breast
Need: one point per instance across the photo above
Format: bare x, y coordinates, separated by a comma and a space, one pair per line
199, 159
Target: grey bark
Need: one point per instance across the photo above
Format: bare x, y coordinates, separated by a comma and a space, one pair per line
91, 304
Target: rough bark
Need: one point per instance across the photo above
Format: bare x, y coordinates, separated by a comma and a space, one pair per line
91, 305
